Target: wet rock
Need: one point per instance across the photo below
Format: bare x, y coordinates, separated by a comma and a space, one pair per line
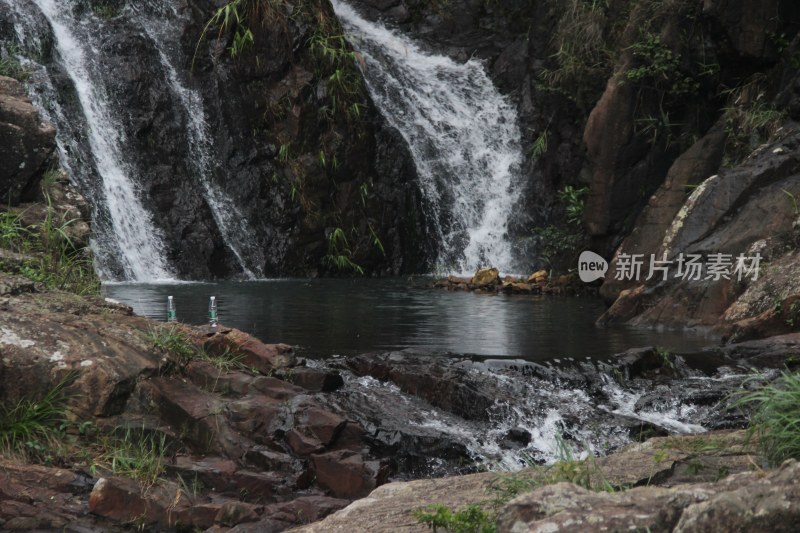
515, 438
26, 144
485, 278
538, 277
314, 379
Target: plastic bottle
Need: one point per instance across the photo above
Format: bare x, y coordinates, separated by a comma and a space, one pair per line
171, 313
212, 313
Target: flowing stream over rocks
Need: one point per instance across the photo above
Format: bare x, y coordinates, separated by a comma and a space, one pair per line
434, 412
462, 133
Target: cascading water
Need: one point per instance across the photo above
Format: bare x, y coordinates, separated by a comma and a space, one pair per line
93, 139
232, 225
126, 227
462, 134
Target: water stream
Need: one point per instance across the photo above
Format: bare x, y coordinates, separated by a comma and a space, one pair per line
138, 243
229, 219
462, 134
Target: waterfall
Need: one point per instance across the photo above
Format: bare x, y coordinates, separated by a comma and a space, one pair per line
137, 242
91, 137
462, 134
233, 226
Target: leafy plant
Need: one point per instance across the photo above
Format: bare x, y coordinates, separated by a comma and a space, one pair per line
54, 260
574, 200
581, 57
539, 146
469, 519
339, 253
660, 68
750, 120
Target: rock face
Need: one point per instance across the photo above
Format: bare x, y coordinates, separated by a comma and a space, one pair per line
744, 211
26, 144
750, 501
267, 133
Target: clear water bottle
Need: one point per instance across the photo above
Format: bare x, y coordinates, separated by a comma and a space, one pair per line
171, 313
212, 313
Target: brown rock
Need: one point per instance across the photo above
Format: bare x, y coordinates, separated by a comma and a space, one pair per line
26, 144
305, 509
125, 500
345, 474
486, 277
302, 444
389, 508
266, 358
538, 277
232, 513
324, 425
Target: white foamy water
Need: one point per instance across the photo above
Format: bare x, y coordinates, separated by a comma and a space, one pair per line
137, 241
462, 134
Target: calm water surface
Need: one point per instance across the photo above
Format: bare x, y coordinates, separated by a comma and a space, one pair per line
327, 316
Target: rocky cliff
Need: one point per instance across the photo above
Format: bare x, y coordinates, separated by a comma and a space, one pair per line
284, 129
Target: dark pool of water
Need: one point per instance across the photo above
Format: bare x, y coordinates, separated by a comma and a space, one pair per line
328, 316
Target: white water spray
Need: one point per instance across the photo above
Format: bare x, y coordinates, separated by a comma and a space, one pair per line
462, 134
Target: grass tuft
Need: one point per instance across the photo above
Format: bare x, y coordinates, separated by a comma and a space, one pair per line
135, 455
775, 417
31, 427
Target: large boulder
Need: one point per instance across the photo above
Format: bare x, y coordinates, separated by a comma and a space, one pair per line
748, 211
26, 144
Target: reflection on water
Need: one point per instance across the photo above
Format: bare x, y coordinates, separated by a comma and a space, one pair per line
327, 316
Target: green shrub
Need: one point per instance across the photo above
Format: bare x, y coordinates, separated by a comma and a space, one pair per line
775, 417
31, 426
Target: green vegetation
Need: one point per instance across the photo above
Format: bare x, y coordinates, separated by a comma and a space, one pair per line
559, 244
775, 416
172, 341
339, 254
582, 59
10, 66
750, 120
136, 454
51, 257
470, 519
30, 427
